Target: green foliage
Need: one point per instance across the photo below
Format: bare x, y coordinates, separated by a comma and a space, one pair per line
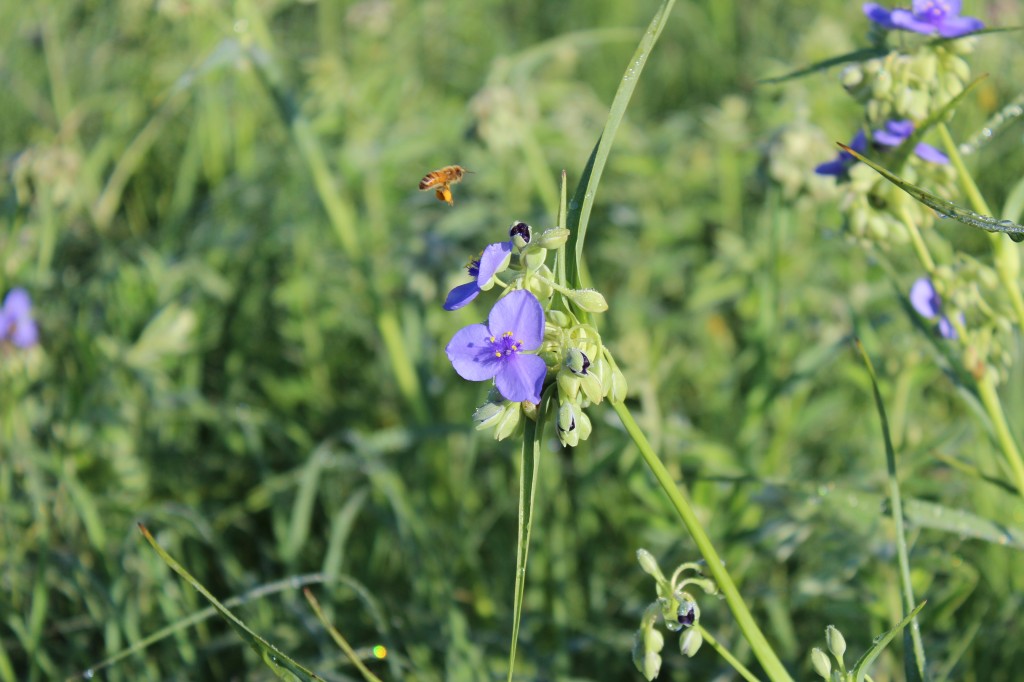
238, 288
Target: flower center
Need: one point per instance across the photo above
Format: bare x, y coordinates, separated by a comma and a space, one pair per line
934, 11
473, 265
505, 345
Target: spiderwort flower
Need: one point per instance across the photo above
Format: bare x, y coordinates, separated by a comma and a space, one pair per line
496, 350
898, 130
491, 260
16, 323
840, 166
926, 17
927, 303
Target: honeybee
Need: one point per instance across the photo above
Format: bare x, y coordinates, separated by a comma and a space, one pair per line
441, 181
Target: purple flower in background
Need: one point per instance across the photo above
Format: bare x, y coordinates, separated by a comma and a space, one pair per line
896, 131
495, 350
481, 269
927, 303
840, 165
16, 323
926, 17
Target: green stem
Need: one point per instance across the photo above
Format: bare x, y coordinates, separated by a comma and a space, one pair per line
990, 399
920, 247
727, 655
762, 649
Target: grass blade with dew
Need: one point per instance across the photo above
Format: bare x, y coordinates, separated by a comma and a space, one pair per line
944, 208
339, 639
529, 467
281, 665
914, 658
583, 198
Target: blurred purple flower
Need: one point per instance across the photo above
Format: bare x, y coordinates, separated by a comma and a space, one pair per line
495, 350
898, 130
927, 303
840, 165
16, 323
926, 17
481, 269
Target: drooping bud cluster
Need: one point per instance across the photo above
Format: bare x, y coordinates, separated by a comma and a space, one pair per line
678, 609
569, 358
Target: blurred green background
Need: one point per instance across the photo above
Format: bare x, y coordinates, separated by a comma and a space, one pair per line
238, 286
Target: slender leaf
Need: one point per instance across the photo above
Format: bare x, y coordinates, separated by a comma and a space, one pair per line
283, 666
855, 56
339, 639
946, 209
861, 668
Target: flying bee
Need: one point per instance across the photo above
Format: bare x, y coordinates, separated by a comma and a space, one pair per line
441, 181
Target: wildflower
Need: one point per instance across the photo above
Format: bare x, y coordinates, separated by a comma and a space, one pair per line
496, 350
927, 303
896, 131
926, 17
840, 165
16, 323
482, 268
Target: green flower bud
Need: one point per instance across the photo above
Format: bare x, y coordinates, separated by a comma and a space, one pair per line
589, 299
559, 318
553, 238
618, 390
508, 425
836, 642
570, 424
488, 415
821, 663
568, 386
690, 642
649, 564
592, 387
851, 77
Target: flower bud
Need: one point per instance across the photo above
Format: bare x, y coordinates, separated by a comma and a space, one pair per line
559, 319
488, 415
508, 425
589, 299
821, 663
521, 234
649, 564
618, 386
836, 642
553, 238
690, 642
568, 424
592, 387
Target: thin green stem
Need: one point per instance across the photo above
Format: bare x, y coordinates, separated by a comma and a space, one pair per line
759, 645
726, 654
920, 247
990, 399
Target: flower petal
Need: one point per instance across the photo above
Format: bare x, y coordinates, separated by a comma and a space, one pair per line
946, 328
954, 27
924, 299
930, 153
461, 295
877, 14
494, 259
17, 304
471, 353
25, 333
521, 377
836, 166
518, 312
903, 19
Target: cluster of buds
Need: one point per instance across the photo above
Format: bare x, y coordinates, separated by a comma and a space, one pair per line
538, 338
822, 662
676, 606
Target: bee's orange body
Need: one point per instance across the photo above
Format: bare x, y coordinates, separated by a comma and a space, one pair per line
441, 181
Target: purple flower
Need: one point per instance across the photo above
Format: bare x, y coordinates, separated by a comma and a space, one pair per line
896, 131
840, 165
495, 350
16, 323
481, 269
927, 17
927, 303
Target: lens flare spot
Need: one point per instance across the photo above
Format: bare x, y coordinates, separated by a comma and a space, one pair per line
380, 651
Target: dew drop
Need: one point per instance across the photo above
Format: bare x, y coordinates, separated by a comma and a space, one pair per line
673, 626
88, 674
986, 132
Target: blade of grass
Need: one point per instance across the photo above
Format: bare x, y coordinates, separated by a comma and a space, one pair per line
529, 467
339, 639
280, 664
860, 670
583, 199
914, 662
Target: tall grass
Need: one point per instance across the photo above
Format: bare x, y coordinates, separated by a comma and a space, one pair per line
238, 289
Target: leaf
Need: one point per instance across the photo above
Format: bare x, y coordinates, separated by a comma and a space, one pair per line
339, 639
855, 56
586, 190
284, 667
860, 669
946, 209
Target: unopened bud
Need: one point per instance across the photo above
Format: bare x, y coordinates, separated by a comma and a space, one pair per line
521, 234
553, 238
821, 663
690, 642
590, 300
836, 642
